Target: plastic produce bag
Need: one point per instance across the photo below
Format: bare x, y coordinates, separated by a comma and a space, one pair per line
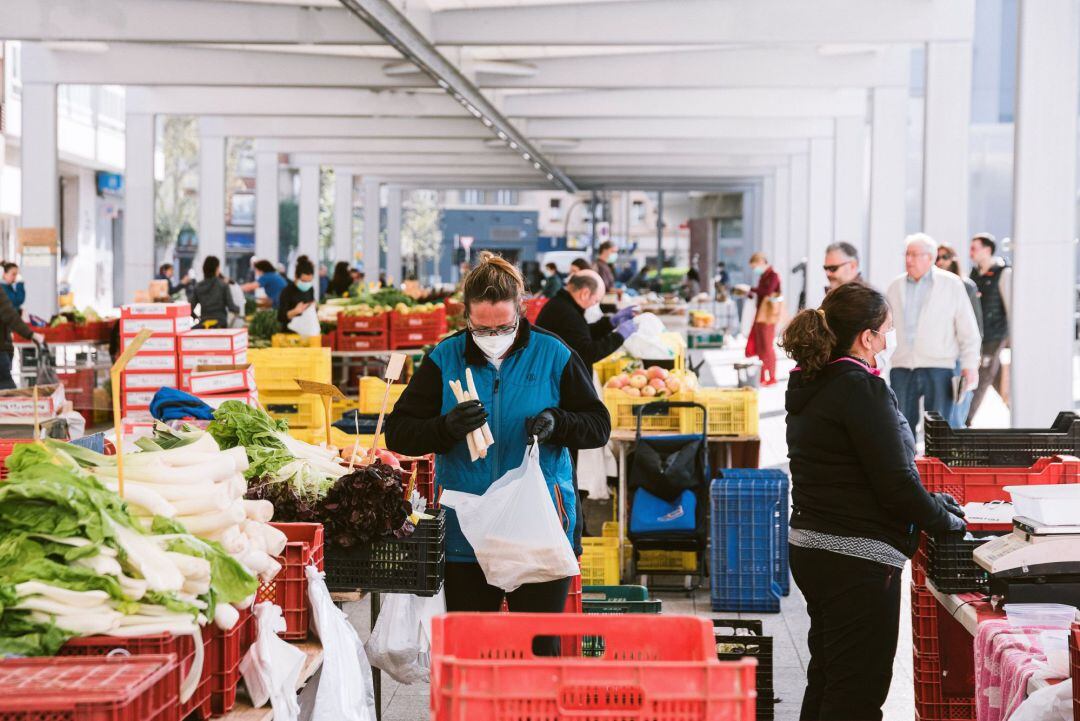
272, 667
514, 528
400, 643
346, 691
307, 323
646, 343
1051, 703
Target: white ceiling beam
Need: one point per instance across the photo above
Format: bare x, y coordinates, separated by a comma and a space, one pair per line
489, 159
371, 145
181, 21
679, 128
392, 171
699, 22
688, 103
803, 66
306, 126
584, 164
187, 100
143, 64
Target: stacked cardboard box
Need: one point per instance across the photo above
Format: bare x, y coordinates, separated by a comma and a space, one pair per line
156, 365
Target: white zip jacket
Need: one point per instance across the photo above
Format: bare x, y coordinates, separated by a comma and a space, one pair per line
947, 329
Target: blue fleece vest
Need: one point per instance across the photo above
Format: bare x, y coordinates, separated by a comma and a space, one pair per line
526, 383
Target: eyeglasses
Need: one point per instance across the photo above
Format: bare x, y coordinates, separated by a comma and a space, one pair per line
834, 268
493, 331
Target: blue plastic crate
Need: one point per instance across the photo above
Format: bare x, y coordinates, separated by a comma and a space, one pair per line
783, 571
745, 515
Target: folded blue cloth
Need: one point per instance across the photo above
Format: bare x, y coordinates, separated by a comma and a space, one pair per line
170, 404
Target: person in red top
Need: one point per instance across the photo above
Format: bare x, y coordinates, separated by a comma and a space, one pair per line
762, 341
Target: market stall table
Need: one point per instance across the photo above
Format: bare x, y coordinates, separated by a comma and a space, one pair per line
307, 685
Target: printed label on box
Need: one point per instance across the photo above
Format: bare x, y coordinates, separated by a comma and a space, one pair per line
155, 310
154, 344
22, 406
149, 380
139, 399
191, 361
152, 362
222, 381
131, 326
226, 340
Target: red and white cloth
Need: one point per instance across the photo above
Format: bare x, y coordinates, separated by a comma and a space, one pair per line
1006, 659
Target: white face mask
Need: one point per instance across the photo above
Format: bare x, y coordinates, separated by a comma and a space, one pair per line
612, 258
494, 346
885, 354
593, 314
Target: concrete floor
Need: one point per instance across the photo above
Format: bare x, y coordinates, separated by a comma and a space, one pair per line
788, 628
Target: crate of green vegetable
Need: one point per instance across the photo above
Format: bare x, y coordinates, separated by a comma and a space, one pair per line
415, 564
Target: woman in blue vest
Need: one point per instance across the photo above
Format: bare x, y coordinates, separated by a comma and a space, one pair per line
530, 384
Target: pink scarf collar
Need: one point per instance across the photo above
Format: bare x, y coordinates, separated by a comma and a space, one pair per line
868, 369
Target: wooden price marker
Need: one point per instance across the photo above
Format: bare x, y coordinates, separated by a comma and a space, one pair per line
328, 392
114, 375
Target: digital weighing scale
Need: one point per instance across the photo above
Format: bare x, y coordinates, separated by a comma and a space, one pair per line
1036, 563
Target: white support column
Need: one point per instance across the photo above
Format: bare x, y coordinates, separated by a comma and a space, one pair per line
267, 245
888, 158
945, 141
768, 216
81, 271
820, 217
309, 214
211, 200
40, 192
781, 212
394, 273
1044, 211
850, 186
372, 223
133, 261
799, 221
343, 215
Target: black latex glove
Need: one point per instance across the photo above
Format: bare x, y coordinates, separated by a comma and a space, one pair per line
950, 504
956, 524
541, 426
464, 418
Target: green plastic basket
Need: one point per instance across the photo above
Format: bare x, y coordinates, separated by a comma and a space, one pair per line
613, 600
614, 593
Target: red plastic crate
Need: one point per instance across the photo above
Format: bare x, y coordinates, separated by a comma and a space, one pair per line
413, 330
182, 647
930, 702
363, 341
119, 688
329, 340
6, 447
289, 589
571, 645
924, 620
662, 668
79, 387
227, 649
1074, 655
425, 475
533, 306
363, 324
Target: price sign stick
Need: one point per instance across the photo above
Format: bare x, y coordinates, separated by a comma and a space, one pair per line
114, 374
37, 424
393, 373
328, 392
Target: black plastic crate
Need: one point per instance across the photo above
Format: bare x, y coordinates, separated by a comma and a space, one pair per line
415, 565
1001, 447
738, 639
950, 564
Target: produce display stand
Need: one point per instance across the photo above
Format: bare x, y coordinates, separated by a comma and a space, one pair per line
367, 363
307, 684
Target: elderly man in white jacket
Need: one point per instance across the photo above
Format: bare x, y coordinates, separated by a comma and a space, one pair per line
935, 326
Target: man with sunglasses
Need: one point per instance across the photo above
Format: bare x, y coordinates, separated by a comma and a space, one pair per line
841, 265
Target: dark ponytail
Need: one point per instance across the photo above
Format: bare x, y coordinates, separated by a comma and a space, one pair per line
815, 337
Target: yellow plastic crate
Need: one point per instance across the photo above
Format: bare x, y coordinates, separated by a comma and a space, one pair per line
371, 394
612, 366
621, 408
667, 561
301, 410
340, 407
600, 561
292, 340
731, 412
276, 369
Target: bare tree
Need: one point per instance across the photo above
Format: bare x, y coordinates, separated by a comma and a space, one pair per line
176, 197
421, 234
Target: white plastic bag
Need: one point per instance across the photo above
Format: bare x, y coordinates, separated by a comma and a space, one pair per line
400, 643
514, 528
272, 667
646, 343
346, 692
307, 323
1050, 703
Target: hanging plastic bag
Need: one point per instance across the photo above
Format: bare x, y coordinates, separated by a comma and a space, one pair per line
646, 342
346, 691
514, 529
307, 323
400, 643
272, 667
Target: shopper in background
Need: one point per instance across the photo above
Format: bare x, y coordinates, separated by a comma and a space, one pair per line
553, 282
324, 280
766, 291
267, 278
341, 282
212, 296
994, 280
299, 294
13, 287
723, 277
530, 384
691, 284
857, 502
936, 328
947, 261
579, 264
574, 315
12, 322
841, 265
167, 272
606, 255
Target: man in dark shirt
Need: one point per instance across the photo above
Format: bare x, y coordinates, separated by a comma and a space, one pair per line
565, 315
605, 262
994, 280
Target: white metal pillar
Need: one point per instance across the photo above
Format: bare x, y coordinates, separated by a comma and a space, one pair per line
1044, 211
888, 158
343, 215
40, 193
820, 217
267, 245
768, 219
393, 236
211, 199
781, 212
309, 215
133, 261
945, 141
372, 225
850, 186
799, 225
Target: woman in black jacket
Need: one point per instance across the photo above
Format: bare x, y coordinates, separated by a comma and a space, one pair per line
857, 502
298, 295
212, 296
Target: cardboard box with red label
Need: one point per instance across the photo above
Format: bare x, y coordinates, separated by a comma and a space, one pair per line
213, 379
18, 404
213, 340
